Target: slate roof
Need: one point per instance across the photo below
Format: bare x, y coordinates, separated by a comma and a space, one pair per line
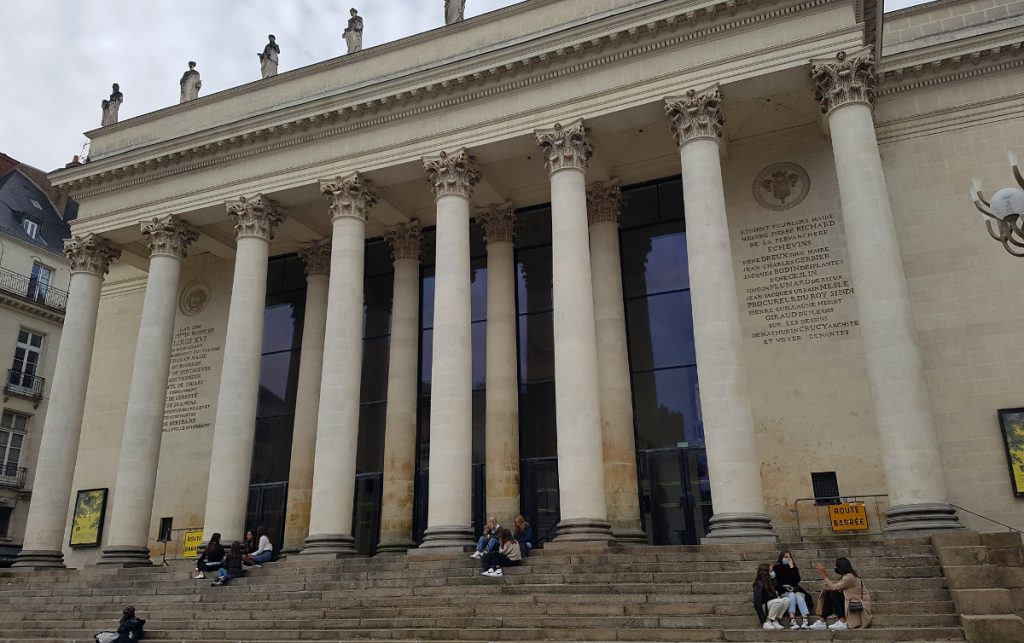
21, 198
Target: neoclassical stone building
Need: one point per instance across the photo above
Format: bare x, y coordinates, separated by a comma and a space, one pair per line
640, 270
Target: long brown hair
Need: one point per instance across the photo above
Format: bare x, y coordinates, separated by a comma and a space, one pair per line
764, 576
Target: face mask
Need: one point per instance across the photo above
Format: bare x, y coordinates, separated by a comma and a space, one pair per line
771, 575
785, 562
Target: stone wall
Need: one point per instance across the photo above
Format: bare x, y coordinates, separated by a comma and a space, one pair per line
947, 20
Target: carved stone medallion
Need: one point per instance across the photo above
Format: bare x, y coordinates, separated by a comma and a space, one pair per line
194, 297
781, 186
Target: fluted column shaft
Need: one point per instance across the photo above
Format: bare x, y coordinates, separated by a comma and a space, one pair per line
450, 488
577, 393
502, 415
396, 519
616, 391
337, 429
128, 540
317, 259
234, 430
733, 465
909, 446
90, 257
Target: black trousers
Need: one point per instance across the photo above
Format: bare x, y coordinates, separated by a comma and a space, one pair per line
833, 605
495, 559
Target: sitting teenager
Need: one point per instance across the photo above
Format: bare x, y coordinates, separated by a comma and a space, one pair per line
787, 578
129, 629
249, 547
768, 604
210, 559
489, 540
846, 599
508, 555
524, 535
232, 567
264, 550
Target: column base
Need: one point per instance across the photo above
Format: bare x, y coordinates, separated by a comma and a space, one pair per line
125, 556
923, 517
329, 546
736, 527
583, 530
39, 559
629, 536
394, 547
447, 537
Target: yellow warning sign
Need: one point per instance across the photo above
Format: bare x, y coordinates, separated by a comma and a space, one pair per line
848, 516
192, 539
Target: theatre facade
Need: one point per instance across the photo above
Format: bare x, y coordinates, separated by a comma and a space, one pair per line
648, 271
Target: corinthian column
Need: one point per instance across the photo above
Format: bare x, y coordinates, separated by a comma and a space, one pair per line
616, 392
403, 377
234, 429
502, 418
733, 466
577, 408
337, 427
450, 486
317, 258
143, 423
90, 257
845, 87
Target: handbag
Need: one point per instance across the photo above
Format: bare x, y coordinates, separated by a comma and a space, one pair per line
856, 605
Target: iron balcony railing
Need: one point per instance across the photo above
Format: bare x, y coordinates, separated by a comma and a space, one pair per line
33, 290
12, 476
24, 384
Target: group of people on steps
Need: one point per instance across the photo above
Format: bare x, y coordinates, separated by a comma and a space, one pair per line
499, 547
231, 563
777, 589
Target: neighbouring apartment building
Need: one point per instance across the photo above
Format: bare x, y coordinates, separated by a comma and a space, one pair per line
34, 276
654, 271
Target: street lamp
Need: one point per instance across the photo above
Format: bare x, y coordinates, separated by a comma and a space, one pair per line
1004, 213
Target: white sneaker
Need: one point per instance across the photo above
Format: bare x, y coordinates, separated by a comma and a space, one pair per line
489, 572
199, 576
818, 625
804, 625
767, 626
794, 625
476, 554
838, 625
497, 573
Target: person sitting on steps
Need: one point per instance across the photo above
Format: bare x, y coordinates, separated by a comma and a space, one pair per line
509, 555
210, 559
232, 567
264, 551
768, 604
845, 598
489, 539
524, 535
249, 547
787, 576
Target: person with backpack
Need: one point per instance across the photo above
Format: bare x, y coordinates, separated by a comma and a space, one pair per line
129, 629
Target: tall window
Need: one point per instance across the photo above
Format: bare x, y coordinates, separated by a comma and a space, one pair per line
31, 227
39, 282
12, 442
5, 521
26, 360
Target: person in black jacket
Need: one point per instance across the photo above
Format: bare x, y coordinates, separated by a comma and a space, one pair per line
787, 577
232, 566
129, 629
210, 559
524, 535
767, 602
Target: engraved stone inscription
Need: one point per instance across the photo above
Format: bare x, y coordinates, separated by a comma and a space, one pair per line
191, 354
796, 283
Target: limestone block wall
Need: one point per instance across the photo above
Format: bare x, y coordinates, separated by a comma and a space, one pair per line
947, 20
965, 289
807, 376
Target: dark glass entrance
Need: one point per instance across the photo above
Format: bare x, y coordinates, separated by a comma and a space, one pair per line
267, 509
675, 495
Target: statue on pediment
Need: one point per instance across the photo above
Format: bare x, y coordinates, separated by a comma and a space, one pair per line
190, 83
269, 57
354, 32
110, 106
454, 10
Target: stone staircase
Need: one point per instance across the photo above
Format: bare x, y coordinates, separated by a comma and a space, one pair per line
623, 593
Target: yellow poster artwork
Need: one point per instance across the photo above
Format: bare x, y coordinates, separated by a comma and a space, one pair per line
1012, 423
87, 524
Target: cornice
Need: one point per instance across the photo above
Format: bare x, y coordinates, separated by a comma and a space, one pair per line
42, 312
584, 52
950, 62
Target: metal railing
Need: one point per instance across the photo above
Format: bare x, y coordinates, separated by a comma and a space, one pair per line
24, 384
994, 522
813, 521
12, 476
33, 290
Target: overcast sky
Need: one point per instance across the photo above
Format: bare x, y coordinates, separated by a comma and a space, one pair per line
61, 56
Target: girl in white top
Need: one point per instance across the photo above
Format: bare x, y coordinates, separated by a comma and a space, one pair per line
264, 551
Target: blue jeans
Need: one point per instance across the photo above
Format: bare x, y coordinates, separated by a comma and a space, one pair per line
224, 573
489, 543
797, 600
263, 557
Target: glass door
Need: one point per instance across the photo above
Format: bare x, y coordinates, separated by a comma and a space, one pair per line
676, 501
267, 506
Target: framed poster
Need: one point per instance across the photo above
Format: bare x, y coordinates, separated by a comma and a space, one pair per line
1011, 422
87, 524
